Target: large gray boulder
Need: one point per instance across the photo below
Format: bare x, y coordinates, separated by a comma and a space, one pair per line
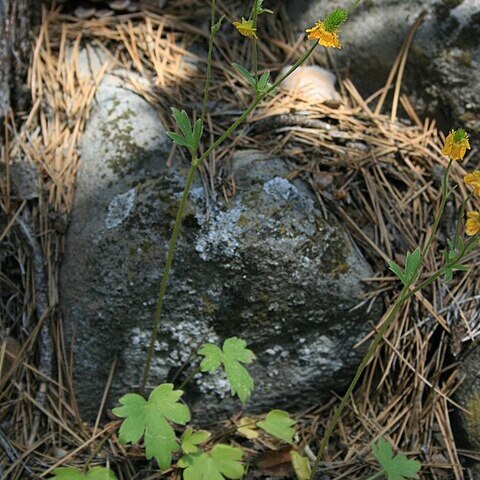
443, 64
266, 267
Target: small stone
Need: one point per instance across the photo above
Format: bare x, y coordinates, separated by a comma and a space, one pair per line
104, 12
119, 4
84, 13
313, 83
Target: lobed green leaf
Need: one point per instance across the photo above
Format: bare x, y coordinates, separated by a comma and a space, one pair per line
96, 473
245, 74
232, 356
222, 462
278, 424
183, 122
397, 467
397, 270
301, 465
190, 439
150, 419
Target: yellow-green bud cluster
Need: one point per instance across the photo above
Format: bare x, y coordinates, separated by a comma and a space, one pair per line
333, 22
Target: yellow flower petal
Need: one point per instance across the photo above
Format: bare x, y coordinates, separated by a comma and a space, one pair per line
246, 28
456, 144
326, 39
474, 180
473, 223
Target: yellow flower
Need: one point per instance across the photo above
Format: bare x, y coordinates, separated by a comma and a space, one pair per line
246, 28
324, 37
456, 144
473, 179
473, 223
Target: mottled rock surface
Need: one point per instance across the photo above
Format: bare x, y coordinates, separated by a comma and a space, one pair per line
443, 64
267, 267
467, 423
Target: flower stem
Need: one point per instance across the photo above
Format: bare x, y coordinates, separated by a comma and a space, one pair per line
252, 107
373, 347
168, 264
178, 221
254, 45
460, 219
209, 62
440, 211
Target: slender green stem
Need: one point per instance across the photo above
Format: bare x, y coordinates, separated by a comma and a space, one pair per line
178, 220
254, 45
168, 264
442, 270
189, 378
209, 62
406, 293
373, 347
461, 219
252, 107
440, 211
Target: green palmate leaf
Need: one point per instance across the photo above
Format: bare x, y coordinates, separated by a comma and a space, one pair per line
222, 462
301, 465
183, 123
190, 439
245, 74
179, 140
278, 424
150, 419
96, 473
397, 270
412, 267
397, 467
189, 138
233, 355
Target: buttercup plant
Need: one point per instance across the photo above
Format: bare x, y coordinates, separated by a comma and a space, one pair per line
152, 419
455, 147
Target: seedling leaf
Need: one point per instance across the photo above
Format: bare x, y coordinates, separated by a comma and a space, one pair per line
96, 473
189, 138
223, 462
233, 355
397, 270
178, 139
150, 418
397, 467
197, 132
278, 424
190, 439
183, 122
301, 465
412, 265
244, 73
